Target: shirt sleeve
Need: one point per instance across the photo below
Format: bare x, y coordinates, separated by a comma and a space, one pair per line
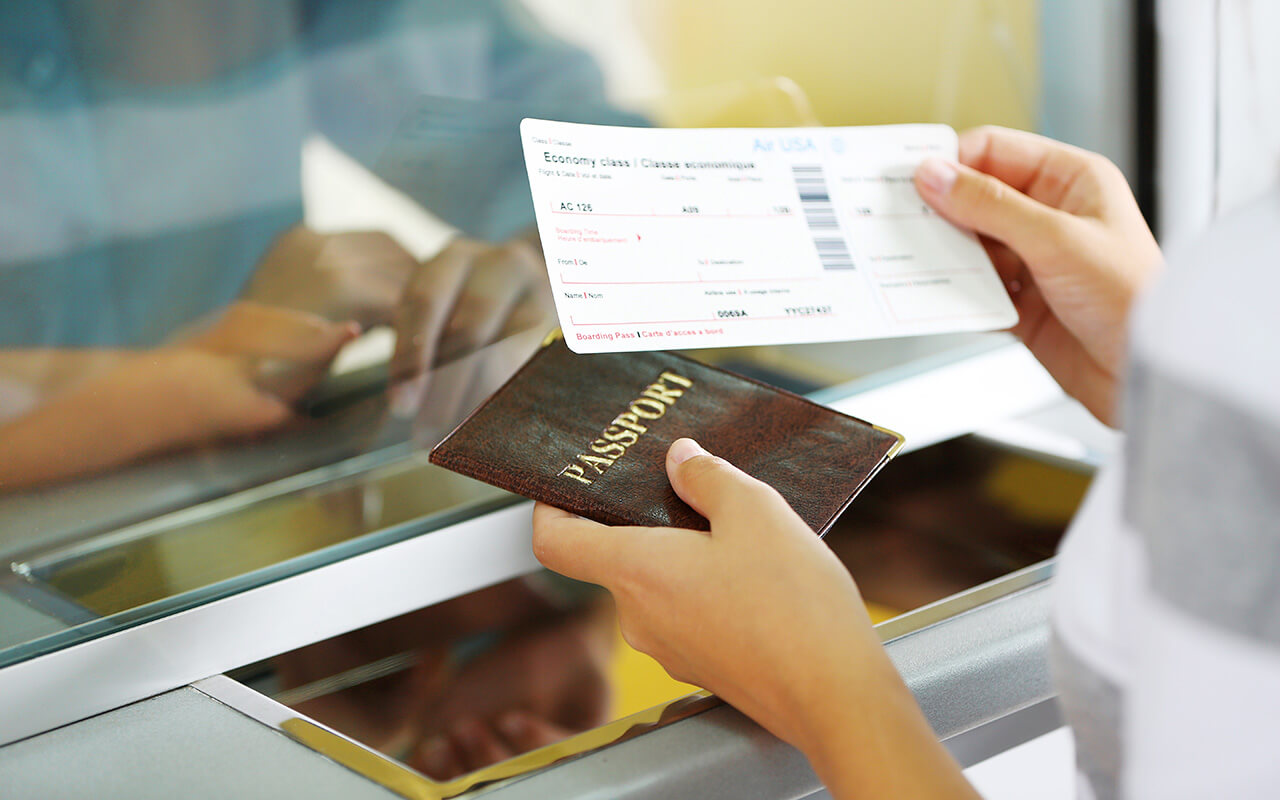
1203, 493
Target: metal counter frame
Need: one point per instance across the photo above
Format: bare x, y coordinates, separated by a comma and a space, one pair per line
975, 661
136, 662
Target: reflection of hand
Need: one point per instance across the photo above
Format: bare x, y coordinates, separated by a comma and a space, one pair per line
471, 744
542, 680
470, 295
358, 276
760, 612
282, 352
1062, 228
235, 379
532, 689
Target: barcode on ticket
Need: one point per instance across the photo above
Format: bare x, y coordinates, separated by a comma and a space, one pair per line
820, 216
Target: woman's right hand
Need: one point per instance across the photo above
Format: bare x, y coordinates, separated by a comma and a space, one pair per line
1068, 239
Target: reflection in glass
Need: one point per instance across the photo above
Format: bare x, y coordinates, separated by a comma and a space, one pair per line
244, 241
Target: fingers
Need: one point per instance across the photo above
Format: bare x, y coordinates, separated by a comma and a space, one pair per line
419, 320
534, 309
713, 486
459, 302
576, 547
470, 744
435, 756
1012, 156
525, 731
291, 379
380, 257
497, 281
284, 351
477, 744
366, 272
989, 206
1018, 281
264, 413
1057, 174
252, 329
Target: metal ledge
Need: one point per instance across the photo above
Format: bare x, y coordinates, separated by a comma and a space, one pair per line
981, 677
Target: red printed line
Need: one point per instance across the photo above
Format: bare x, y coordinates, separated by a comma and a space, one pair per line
884, 296
670, 216
684, 321
700, 280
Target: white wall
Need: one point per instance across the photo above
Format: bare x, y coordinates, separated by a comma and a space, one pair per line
1219, 118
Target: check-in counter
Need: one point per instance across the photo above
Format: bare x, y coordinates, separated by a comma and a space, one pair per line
131, 641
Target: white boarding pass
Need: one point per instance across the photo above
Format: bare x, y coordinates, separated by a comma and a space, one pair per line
662, 238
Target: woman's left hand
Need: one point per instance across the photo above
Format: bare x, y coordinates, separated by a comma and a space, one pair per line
762, 613
758, 611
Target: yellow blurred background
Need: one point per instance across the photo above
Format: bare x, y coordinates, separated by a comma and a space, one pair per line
844, 62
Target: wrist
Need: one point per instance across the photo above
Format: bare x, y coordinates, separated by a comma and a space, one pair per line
861, 686
867, 737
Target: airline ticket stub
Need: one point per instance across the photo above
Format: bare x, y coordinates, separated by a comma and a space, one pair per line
662, 239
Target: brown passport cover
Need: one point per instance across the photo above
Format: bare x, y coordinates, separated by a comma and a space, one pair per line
535, 437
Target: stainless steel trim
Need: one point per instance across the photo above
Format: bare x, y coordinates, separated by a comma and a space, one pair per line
984, 741
211, 509
961, 602
410, 784
921, 643
107, 672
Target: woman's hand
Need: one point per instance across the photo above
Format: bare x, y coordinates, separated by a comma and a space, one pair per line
762, 613
357, 275
238, 378
279, 353
545, 679
1066, 235
468, 296
465, 297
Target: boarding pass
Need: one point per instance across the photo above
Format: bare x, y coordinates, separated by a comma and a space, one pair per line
660, 238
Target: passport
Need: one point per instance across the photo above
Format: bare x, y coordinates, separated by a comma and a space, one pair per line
589, 434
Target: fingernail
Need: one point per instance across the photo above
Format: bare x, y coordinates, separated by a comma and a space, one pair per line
937, 175
434, 753
684, 449
511, 724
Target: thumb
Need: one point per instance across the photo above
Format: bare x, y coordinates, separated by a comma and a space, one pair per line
713, 486
261, 413
987, 205
291, 378
335, 336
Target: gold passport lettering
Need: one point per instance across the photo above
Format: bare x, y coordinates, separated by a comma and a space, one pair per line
626, 428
